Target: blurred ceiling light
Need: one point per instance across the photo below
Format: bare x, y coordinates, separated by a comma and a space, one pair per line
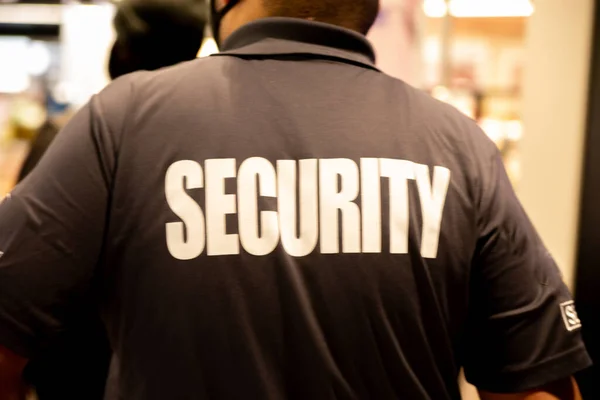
493, 129
30, 14
14, 77
491, 8
441, 93
514, 130
63, 93
14, 84
38, 59
478, 8
435, 8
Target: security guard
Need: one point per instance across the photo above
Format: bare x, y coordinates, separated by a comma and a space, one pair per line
284, 221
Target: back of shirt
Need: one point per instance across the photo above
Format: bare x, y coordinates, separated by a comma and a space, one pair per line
283, 221
271, 219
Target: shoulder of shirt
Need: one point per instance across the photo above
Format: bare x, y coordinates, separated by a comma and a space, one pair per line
426, 113
115, 104
436, 113
136, 82
430, 116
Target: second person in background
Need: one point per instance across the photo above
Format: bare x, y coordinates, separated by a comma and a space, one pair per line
151, 34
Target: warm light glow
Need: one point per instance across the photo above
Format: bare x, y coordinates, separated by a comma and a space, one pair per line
14, 77
514, 130
479, 8
441, 93
63, 92
87, 36
38, 59
435, 8
493, 129
491, 8
209, 47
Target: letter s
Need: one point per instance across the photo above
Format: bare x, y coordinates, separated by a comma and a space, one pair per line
572, 315
193, 225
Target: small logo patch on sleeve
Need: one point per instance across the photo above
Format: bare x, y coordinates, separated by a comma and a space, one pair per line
569, 315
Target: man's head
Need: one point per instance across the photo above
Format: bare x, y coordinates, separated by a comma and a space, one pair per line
153, 34
357, 15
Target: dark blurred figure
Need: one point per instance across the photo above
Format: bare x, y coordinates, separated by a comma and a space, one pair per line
44, 136
151, 34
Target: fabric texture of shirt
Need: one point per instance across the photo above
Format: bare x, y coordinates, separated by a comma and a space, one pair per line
284, 221
77, 360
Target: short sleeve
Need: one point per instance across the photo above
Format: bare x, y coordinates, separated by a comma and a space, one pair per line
51, 234
523, 330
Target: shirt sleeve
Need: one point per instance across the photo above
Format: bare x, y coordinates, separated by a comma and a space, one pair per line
52, 232
523, 330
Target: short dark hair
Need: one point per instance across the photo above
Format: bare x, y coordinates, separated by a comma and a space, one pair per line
358, 15
152, 34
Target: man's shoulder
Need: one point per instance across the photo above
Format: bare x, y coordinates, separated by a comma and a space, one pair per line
123, 98
428, 115
198, 69
142, 81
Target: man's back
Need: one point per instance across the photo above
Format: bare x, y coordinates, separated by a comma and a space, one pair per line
285, 221
343, 273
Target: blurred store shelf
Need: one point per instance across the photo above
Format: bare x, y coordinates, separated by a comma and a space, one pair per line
31, 14
478, 8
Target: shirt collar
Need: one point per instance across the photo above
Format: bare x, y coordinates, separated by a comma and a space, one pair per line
292, 36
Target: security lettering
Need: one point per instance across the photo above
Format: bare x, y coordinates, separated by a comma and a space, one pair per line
316, 206
570, 317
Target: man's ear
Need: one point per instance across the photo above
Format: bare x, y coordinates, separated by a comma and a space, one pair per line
222, 3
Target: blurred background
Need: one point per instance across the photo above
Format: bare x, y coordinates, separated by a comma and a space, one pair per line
526, 70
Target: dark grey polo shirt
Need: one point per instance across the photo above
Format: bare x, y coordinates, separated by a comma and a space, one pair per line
284, 221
